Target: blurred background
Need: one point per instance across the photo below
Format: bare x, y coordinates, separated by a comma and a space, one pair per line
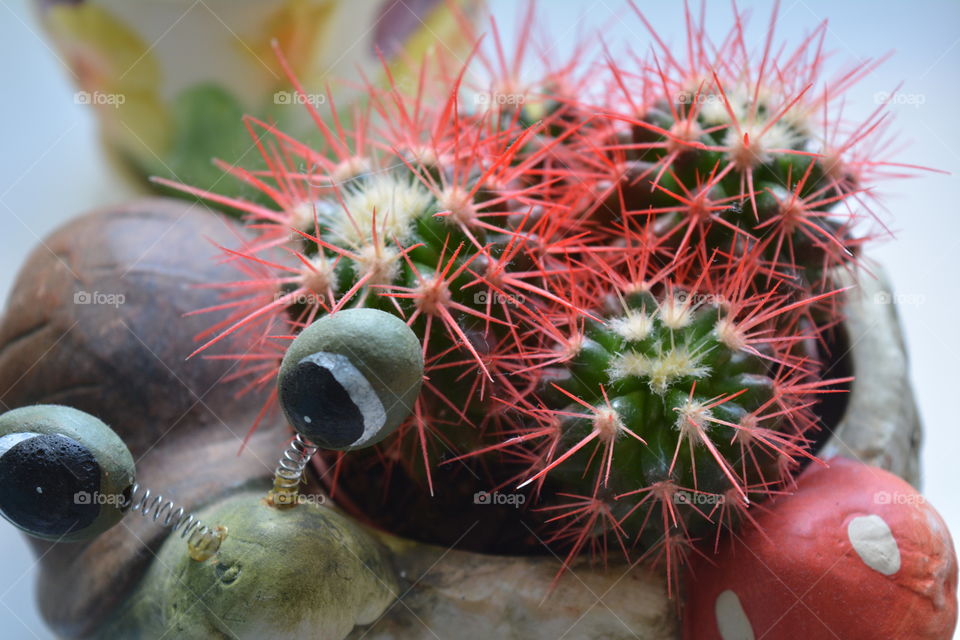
54, 167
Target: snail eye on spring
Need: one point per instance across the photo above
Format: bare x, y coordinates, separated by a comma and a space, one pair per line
351, 378
64, 474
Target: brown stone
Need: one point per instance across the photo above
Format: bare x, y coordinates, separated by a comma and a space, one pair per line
125, 363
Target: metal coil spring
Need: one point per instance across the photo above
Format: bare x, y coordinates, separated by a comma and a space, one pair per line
286, 478
202, 541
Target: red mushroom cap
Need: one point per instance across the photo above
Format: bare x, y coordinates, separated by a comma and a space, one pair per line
854, 553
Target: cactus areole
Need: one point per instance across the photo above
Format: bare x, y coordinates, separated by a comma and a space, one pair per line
619, 275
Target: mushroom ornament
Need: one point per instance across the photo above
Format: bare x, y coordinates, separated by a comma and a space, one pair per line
855, 552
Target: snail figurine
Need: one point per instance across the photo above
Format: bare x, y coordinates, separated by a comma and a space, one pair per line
346, 382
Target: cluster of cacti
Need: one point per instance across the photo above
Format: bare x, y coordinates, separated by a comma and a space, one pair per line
620, 274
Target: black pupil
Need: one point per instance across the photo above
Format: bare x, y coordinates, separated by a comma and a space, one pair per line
319, 407
40, 479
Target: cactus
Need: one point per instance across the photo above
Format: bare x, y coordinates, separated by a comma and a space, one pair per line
623, 302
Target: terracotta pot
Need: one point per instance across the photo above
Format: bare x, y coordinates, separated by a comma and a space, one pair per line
125, 364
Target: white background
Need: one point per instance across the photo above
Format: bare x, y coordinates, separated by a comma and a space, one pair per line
51, 168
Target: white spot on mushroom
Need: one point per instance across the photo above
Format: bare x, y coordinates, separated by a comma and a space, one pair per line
39, 489
935, 524
874, 543
940, 570
307, 419
732, 620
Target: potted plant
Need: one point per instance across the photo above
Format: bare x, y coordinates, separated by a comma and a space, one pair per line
644, 326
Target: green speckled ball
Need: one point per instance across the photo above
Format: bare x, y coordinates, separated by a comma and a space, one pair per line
308, 572
64, 474
349, 379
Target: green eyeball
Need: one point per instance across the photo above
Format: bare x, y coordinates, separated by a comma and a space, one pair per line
350, 379
64, 475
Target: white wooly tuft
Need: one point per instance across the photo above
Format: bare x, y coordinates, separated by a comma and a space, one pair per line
393, 202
